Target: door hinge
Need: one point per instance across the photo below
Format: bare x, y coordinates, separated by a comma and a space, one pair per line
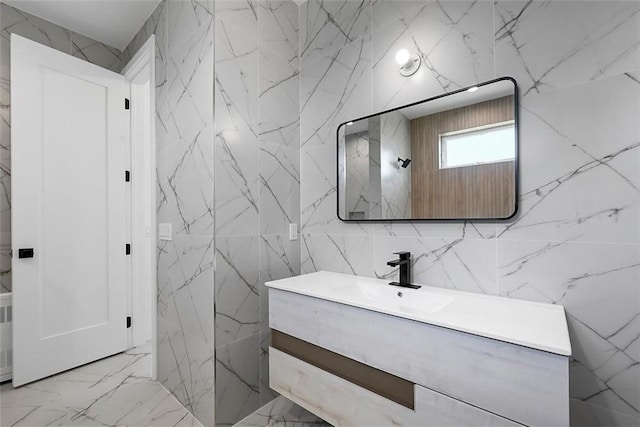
128, 322
127, 104
127, 176
128, 249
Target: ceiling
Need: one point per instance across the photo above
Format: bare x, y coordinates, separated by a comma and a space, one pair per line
112, 22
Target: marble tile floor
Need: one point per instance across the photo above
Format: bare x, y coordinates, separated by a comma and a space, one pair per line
282, 412
115, 391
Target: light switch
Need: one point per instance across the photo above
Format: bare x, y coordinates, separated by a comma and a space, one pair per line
293, 231
165, 231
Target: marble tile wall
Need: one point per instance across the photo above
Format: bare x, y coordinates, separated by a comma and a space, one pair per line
15, 21
257, 189
576, 239
185, 171
395, 142
356, 175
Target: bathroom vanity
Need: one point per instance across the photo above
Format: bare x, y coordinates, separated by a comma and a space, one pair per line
356, 351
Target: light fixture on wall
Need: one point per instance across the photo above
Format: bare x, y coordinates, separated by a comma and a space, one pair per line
472, 89
405, 162
409, 62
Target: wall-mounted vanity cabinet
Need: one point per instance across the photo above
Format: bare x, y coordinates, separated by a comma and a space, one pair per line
356, 351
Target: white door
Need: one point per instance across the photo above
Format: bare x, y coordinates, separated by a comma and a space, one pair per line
68, 205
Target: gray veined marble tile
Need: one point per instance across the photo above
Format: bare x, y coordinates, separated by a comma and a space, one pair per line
200, 390
449, 230
188, 21
318, 192
237, 288
395, 12
236, 77
347, 254
589, 186
36, 416
80, 387
5, 180
240, 16
279, 100
395, 140
358, 196
550, 45
5, 270
279, 259
280, 188
328, 25
334, 89
454, 40
5, 120
278, 27
598, 285
584, 414
5, 191
237, 380
237, 151
163, 191
186, 295
266, 393
281, 412
155, 24
464, 264
186, 369
237, 185
14, 21
96, 53
189, 87
166, 306
171, 353
188, 184
112, 391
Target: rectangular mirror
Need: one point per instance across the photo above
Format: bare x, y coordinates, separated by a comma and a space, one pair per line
452, 157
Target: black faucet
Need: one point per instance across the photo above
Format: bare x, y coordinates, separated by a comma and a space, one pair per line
405, 270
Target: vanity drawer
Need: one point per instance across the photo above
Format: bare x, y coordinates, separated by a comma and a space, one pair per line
343, 403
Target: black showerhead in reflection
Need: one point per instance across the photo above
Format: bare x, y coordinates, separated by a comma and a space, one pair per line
405, 162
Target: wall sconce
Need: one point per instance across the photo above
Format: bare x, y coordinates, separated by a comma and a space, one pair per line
405, 162
409, 62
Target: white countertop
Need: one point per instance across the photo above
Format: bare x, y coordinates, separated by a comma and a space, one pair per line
530, 324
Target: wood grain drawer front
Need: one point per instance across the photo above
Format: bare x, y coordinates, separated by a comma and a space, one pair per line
528, 386
343, 403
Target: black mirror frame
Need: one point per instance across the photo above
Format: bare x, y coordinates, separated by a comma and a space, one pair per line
516, 113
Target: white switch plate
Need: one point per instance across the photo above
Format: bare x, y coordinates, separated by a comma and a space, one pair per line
165, 231
293, 231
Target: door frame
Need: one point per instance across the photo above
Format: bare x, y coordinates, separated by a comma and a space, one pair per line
142, 65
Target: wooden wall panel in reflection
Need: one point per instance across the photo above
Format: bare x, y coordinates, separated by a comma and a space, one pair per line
481, 191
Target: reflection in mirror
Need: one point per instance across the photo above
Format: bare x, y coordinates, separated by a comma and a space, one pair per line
450, 157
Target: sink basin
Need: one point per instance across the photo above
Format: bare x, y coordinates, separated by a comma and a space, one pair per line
397, 299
